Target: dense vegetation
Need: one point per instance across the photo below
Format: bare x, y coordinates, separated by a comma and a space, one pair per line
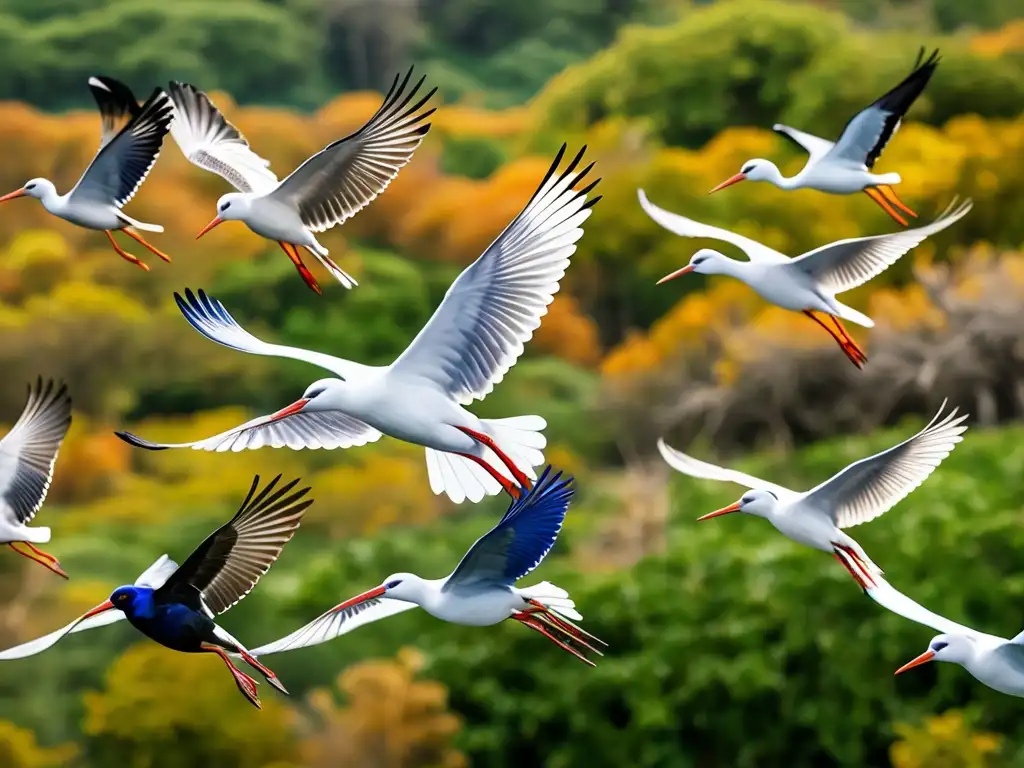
730, 646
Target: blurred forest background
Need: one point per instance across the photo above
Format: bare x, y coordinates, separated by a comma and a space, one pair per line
730, 646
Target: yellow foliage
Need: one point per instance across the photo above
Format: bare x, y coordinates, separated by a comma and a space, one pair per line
390, 719
568, 333
944, 741
18, 749
1008, 39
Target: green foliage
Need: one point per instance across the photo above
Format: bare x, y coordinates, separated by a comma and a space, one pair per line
473, 157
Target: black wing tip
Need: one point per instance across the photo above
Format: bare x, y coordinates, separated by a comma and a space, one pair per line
138, 442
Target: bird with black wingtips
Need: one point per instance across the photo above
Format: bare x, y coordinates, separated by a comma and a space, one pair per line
845, 166
124, 159
482, 590
28, 454
176, 605
326, 190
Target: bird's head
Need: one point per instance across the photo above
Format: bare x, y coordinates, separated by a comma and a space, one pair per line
706, 261
231, 207
958, 649
322, 395
755, 502
402, 586
757, 169
38, 188
131, 600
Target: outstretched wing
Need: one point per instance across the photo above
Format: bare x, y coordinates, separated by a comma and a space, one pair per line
521, 539
212, 143
846, 264
117, 105
688, 465
873, 486
344, 177
684, 227
29, 451
815, 146
226, 566
123, 163
870, 130
495, 305
335, 623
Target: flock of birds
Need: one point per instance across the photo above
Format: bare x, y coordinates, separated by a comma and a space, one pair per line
469, 344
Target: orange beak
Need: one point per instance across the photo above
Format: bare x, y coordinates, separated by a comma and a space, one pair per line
678, 273
729, 182
369, 595
719, 512
216, 220
106, 605
290, 410
924, 658
12, 195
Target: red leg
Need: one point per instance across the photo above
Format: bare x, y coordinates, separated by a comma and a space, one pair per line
566, 625
123, 253
531, 622
44, 555
37, 556
552, 622
487, 440
884, 204
850, 343
293, 253
265, 671
245, 683
862, 579
890, 194
141, 241
510, 488
853, 356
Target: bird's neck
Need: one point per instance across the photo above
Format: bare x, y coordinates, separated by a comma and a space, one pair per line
782, 182
732, 267
143, 606
52, 201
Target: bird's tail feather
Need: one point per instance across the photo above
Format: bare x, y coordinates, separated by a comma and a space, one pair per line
553, 598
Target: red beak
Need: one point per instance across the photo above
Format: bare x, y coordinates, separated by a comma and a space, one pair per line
924, 658
718, 512
729, 182
678, 273
369, 595
12, 195
216, 220
290, 410
106, 605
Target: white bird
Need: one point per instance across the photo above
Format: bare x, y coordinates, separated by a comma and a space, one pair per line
844, 166
992, 660
473, 339
481, 591
327, 189
27, 457
118, 170
807, 283
863, 491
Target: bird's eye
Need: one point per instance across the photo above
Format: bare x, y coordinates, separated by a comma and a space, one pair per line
746, 169
939, 646
392, 584
30, 186
313, 393
225, 206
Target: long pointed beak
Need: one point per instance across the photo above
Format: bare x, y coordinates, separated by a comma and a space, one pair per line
290, 410
719, 512
678, 273
106, 605
729, 182
924, 658
216, 220
368, 595
47, 561
12, 195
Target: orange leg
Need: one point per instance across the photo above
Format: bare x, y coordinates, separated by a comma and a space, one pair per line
875, 195
38, 556
245, 683
890, 194
850, 343
854, 353
265, 671
123, 253
142, 241
487, 440
293, 253
510, 488
532, 622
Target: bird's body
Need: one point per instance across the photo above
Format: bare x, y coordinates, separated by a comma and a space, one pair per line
175, 605
28, 454
845, 166
326, 190
810, 282
468, 345
861, 492
481, 591
122, 163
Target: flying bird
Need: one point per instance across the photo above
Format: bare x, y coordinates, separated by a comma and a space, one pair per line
27, 457
863, 491
481, 591
176, 605
473, 339
845, 166
810, 282
329, 188
991, 660
125, 156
